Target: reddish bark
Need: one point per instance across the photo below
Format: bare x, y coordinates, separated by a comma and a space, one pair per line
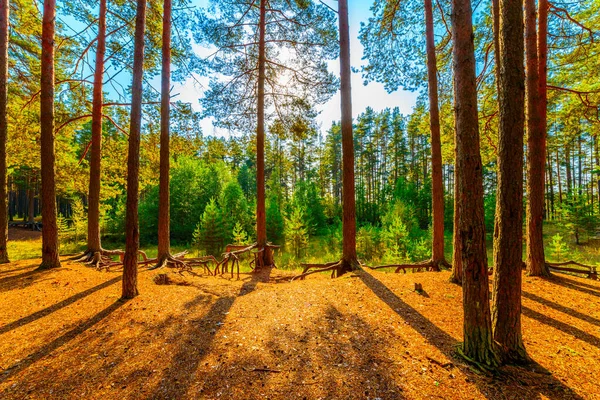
50, 257
261, 221
93, 236
437, 184
508, 234
457, 271
164, 247
536, 150
132, 234
349, 257
4, 29
477, 344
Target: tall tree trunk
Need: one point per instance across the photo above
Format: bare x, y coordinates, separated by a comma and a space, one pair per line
551, 213
457, 271
349, 258
4, 22
579, 165
93, 237
536, 151
165, 102
508, 235
261, 221
132, 233
437, 184
496, 31
568, 168
50, 258
597, 159
478, 345
558, 178
31, 203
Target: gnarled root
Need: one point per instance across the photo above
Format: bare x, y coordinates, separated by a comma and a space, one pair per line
427, 265
102, 259
337, 268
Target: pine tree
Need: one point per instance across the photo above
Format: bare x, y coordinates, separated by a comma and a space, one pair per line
508, 232
305, 35
132, 230
50, 257
212, 234
240, 237
478, 344
78, 219
296, 232
4, 35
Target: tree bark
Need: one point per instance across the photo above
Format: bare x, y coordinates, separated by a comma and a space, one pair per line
132, 233
457, 271
50, 257
261, 220
93, 237
437, 184
536, 150
508, 235
568, 168
164, 246
551, 212
4, 24
30, 203
477, 344
558, 178
349, 258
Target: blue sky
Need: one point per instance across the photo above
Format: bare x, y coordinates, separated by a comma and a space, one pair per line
372, 95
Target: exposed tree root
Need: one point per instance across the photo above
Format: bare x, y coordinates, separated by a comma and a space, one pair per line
491, 363
233, 256
172, 261
590, 270
203, 261
102, 259
337, 268
428, 265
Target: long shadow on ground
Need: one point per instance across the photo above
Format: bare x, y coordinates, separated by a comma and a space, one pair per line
509, 381
180, 375
62, 304
575, 285
22, 280
58, 342
561, 308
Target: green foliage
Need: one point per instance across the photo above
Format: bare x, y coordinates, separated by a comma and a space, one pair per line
489, 206
212, 234
296, 232
275, 220
307, 197
420, 249
197, 239
396, 237
63, 229
558, 247
301, 41
368, 243
193, 184
78, 219
234, 209
578, 216
240, 237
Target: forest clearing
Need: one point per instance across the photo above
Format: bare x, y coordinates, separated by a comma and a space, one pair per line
366, 335
312, 199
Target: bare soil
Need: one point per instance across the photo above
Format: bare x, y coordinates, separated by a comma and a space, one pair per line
65, 334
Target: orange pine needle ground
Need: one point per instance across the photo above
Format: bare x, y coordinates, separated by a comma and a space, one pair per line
64, 334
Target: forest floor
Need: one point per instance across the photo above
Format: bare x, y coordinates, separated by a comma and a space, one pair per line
65, 334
